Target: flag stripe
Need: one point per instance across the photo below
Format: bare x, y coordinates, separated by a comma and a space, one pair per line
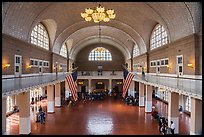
72, 86
127, 83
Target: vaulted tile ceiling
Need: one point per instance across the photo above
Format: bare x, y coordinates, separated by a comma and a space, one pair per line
134, 23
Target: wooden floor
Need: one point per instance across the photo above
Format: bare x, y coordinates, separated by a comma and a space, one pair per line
97, 117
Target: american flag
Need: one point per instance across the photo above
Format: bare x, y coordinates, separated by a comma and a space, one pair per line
71, 81
126, 81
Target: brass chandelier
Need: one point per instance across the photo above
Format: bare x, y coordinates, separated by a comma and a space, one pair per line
98, 14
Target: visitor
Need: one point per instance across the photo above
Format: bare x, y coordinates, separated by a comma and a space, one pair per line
180, 109
40, 108
143, 74
172, 127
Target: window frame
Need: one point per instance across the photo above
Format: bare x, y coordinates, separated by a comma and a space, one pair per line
47, 64
159, 37
154, 63
103, 55
62, 53
39, 36
136, 51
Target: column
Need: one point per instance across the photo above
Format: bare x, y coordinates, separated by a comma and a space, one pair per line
3, 115
24, 113
67, 90
57, 95
181, 101
173, 113
184, 102
13, 99
89, 85
50, 99
43, 92
196, 117
148, 103
141, 94
131, 90
110, 85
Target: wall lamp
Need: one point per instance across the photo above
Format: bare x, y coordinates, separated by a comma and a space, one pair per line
6, 65
29, 66
168, 67
190, 65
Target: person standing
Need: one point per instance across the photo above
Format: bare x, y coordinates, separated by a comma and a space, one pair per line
143, 74
172, 127
40, 108
160, 125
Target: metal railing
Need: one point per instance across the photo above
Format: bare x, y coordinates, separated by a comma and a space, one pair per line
190, 85
101, 75
20, 83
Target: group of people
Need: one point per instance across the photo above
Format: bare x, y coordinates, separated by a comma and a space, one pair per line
36, 99
130, 100
163, 126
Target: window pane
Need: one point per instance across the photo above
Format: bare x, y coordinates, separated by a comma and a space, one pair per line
166, 62
159, 37
136, 51
99, 54
37, 36
63, 50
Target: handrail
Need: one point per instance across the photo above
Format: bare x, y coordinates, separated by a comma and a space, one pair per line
168, 76
174, 77
189, 86
37, 75
27, 82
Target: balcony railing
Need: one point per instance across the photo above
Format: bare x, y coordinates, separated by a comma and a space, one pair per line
22, 83
101, 75
190, 85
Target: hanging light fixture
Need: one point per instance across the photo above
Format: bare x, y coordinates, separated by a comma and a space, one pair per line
98, 14
99, 49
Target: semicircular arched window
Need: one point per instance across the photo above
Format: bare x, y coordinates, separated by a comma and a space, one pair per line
100, 54
39, 36
136, 51
63, 51
159, 37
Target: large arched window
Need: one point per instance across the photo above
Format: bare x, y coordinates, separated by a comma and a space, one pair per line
136, 51
39, 36
159, 37
100, 54
63, 51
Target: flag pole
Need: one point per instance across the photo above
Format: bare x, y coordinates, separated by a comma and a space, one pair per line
75, 69
124, 67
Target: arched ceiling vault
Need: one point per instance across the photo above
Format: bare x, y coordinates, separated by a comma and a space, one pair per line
133, 19
107, 31
94, 40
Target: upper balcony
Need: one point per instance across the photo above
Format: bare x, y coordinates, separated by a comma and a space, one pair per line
14, 85
100, 75
183, 85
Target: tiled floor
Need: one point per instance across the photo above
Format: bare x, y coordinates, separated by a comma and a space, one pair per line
96, 117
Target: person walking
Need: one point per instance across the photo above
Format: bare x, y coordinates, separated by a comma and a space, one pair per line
160, 125
143, 74
40, 108
172, 127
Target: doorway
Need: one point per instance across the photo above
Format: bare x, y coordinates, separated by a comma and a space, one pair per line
158, 67
18, 66
179, 66
40, 67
